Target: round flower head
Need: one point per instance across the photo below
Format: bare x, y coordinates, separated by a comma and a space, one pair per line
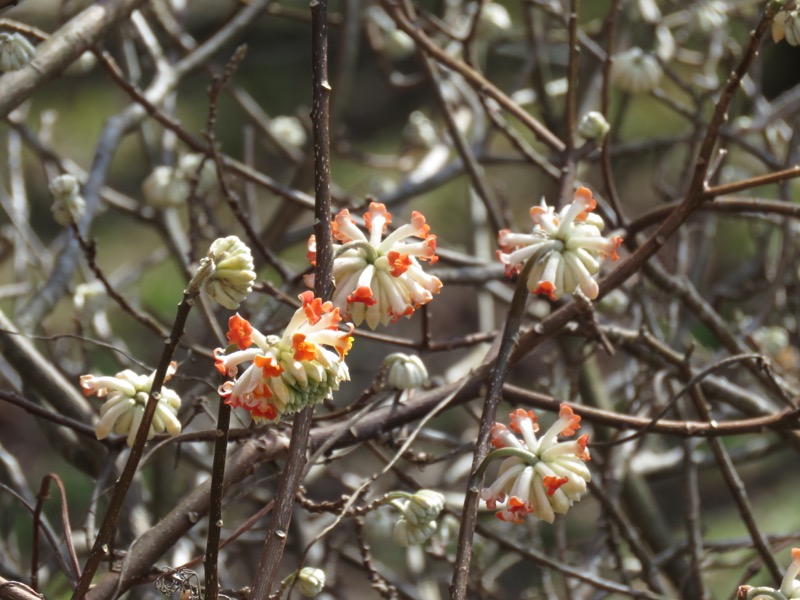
165, 187
635, 72
786, 24
542, 476
380, 279
566, 246
232, 277
789, 590
494, 21
593, 126
286, 373
406, 371
310, 581
68, 204
126, 395
15, 51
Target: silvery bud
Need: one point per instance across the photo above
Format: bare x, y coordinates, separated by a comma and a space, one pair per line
68, 204
407, 534
593, 126
15, 51
232, 275
786, 24
288, 129
188, 165
165, 188
423, 506
406, 371
635, 72
493, 22
310, 581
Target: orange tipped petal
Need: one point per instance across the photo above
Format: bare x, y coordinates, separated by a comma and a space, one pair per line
240, 332
552, 483
547, 288
377, 209
418, 221
303, 350
268, 365
574, 421
364, 295
582, 443
399, 263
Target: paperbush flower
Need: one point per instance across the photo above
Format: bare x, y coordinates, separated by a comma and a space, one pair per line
567, 247
15, 51
405, 371
545, 476
786, 24
380, 279
68, 204
593, 126
419, 513
789, 590
310, 581
635, 72
126, 395
232, 275
286, 373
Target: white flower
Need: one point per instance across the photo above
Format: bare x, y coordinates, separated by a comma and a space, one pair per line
635, 72
126, 395
165, 187
593, 126
290, 372
15, 51
310, 581
787, 24
566, 246
406, 371
68, 205
541, 476
789, 590
232, 276
380, 279
289, 130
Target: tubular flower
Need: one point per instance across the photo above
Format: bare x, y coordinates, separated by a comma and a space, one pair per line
789, 590
380, 279
543, 476
126, 395
567, 247
286, 373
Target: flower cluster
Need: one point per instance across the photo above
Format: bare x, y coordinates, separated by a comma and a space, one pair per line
126, 395
15, 51
789, 590
419, 513
168, 186
380, 279
566, 246
68, 205
537, 476
232, 275
287, 373
786, 24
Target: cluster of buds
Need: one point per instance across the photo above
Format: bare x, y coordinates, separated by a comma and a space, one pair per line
635, 72
593, 126
539, 476
230, 273
126, 395
15, 51
290, 372
310, 581
789, 590
566, 248
170, 186
418, 517
405, 371
380, 279
68, 204
786, 24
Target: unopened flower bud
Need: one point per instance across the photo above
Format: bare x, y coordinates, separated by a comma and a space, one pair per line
165, 188
406, 371
711, 15
493, 22
423, 506
68, 204
420, 131
15, 51
635, 72
188, 166
310, 581
232, 276
407, 534
593, 126
288, 129
786, 24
